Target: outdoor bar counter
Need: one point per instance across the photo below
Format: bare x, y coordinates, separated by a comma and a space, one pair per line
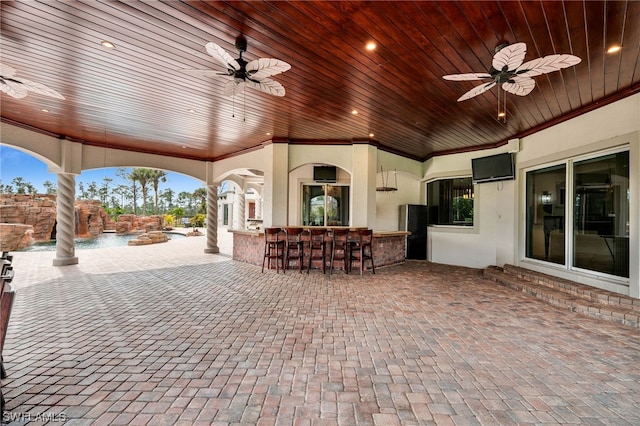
389, 247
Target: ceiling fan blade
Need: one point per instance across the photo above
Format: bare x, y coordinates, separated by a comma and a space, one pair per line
13, 89
509, 57
267, 85
39, 88
266, 67
520, 86
547, 64
222, 56
207, 73
465, 77
7, 71
476, 91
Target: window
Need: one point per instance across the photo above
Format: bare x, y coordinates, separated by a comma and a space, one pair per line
596, 198
325, 205
450, 202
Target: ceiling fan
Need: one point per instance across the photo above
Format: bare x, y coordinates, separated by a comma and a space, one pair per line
252, 74
508, 69
19, 87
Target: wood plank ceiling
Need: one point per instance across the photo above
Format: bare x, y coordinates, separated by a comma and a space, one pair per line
138, 97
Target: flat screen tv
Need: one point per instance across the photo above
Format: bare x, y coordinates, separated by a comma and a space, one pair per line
325, 174
493, 168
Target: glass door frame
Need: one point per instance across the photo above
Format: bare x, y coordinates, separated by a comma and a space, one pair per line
569, 201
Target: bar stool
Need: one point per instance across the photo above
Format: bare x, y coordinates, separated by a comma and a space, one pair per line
340, 248
317, 247
361, 249
274, 248
295, 247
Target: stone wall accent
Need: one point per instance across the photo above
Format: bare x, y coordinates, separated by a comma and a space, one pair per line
15, 236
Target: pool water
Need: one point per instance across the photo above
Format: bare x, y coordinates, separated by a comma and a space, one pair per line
103, 241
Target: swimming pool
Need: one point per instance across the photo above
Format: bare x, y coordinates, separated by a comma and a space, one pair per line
105, 240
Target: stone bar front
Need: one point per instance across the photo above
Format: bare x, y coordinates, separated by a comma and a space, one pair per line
389, 247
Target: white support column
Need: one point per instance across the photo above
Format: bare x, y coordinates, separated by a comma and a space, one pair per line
212, 220
276, 184
363, 185
66, 218
240, 219
259, 207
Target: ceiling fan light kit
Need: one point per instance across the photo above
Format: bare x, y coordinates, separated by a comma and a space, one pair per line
509, 70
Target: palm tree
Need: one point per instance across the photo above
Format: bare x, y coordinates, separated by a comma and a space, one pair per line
157, 176
143, 177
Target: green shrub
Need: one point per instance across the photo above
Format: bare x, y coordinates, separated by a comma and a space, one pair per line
198, 220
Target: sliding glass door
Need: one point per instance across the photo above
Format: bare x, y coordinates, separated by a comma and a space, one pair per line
601, 214
596, 199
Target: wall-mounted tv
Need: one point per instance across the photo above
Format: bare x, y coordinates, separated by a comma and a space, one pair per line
493, 168
325, 174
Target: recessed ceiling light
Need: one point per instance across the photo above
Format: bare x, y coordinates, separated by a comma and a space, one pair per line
184, 147
371, 46
107, 44
371, 135
191, 110
268, 133
44, 110
614, 49
354, 112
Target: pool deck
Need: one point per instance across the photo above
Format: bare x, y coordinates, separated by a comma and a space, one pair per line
166, 334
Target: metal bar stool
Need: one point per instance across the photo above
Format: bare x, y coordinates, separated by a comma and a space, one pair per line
340, 248
361, 249
317, 247
295, 247
274, 248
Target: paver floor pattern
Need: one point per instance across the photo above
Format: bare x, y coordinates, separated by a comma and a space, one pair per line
166, 334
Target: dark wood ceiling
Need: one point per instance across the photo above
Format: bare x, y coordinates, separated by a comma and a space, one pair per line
138, 98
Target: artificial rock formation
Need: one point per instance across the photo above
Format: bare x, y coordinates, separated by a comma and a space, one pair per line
129, 223
15, 236
151, 237
39, 212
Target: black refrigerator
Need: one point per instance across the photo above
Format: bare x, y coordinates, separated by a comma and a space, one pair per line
413, 218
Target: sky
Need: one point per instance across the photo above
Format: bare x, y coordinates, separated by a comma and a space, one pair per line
15, 163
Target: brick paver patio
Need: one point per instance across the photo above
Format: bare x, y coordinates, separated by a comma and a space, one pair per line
166, 334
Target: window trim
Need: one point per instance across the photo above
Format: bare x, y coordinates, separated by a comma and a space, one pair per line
465, 229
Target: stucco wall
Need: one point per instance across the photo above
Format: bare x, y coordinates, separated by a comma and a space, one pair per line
497, 237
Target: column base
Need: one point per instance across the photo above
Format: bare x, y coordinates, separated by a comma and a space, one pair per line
63, 261
212, 250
